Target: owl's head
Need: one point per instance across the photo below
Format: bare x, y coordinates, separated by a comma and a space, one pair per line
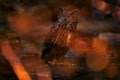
68, 15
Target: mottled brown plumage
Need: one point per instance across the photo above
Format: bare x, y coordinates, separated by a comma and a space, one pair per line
60, 36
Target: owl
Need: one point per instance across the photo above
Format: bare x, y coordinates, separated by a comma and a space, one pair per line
61, 35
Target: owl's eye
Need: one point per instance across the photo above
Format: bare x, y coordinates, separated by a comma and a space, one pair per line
65, 19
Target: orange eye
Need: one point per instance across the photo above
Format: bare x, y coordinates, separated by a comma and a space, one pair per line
69, 16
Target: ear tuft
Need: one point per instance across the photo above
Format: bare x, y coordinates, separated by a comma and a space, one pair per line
74, 11
61, 9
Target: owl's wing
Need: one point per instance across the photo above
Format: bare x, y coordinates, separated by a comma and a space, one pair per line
48, 43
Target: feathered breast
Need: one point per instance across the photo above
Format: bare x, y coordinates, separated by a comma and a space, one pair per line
61, 34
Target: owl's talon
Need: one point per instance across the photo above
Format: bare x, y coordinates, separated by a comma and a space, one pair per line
53, 62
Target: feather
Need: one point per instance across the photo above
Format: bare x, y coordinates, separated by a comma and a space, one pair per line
59, 38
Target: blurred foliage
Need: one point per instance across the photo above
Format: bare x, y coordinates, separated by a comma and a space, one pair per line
10, 6
113, 2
